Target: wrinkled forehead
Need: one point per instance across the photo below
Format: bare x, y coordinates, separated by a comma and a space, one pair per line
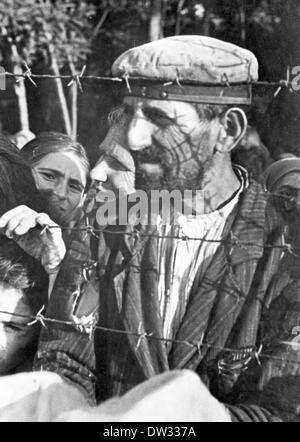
13, 300
67, 163
174, 109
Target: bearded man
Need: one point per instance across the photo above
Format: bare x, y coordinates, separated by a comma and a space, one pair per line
177, 302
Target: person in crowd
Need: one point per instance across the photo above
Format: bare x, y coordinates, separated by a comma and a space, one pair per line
115, 168
191, 293
60, 168
23, 281
252, 154
282, 334
20, 300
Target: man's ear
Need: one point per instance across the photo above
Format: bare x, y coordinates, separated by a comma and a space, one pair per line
234, 126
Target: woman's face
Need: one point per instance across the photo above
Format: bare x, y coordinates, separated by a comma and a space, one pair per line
61, 180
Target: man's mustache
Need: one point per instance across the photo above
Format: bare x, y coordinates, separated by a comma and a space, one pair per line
156, 153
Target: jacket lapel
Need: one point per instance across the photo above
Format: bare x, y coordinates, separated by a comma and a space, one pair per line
135, 287
213, 310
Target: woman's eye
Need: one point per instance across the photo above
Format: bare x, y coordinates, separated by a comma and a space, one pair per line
49, 176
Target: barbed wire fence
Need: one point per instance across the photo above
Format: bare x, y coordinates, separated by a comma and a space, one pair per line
87, 325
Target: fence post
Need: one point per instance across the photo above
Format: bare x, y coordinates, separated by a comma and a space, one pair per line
2, 79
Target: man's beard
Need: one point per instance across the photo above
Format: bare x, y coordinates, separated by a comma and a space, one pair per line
168, 172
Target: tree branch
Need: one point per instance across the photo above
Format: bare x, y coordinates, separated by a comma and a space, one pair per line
155, 28
20, 89
178, 17
100, 24
60, 91
74, 99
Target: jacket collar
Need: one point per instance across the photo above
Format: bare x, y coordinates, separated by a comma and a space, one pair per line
247, 232
244, 230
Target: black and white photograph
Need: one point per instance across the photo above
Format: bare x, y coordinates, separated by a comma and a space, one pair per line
149, 213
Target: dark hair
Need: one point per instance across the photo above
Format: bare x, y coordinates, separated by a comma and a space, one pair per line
17, 187
22, 272
13, 274
51, 142
16, 181
209, 112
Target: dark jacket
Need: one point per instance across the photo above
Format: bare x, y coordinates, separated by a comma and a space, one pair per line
227, 315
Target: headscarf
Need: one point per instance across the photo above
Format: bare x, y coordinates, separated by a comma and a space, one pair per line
53, 142
280, 169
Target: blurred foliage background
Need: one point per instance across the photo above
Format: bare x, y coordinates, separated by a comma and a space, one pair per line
60, 37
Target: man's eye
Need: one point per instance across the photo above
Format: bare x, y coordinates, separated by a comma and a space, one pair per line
13, 327
287, 194
128, 110
115, 164
158, 117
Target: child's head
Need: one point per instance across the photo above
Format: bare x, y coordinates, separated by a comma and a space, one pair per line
20, 296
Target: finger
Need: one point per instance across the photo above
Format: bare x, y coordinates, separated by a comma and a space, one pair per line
44, 220
6, 217
25, 219
29, 221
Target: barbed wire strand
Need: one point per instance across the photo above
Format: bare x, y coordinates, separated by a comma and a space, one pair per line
39, 318
234, 241
286, 83
135, 233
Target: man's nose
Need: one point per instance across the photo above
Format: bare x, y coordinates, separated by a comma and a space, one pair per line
139, 133
3, 337
100, 171
298, 199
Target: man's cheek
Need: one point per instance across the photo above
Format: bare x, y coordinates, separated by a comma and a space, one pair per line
5, 357
12, 350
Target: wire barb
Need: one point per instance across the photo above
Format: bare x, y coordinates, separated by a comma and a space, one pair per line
44, 230
225, 80
39, 318
28, 74
76, 79
86, 324
285, 83
141, 337
126, 78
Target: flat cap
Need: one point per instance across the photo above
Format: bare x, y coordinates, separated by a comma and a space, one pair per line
189, 62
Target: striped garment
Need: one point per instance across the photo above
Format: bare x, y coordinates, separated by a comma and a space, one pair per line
225, 309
